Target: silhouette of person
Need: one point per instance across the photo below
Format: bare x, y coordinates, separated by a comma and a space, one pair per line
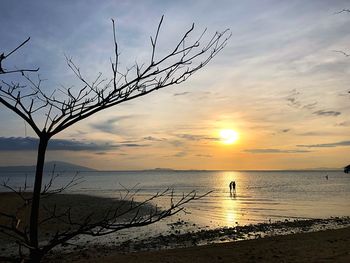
232, 186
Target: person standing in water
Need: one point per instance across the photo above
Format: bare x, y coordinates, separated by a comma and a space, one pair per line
232, 186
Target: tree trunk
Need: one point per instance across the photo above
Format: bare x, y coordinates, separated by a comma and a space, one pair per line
35, 253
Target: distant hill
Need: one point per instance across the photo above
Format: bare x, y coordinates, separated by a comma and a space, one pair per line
60, 167
161, 169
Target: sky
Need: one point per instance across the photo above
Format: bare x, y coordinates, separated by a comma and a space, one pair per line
278, 83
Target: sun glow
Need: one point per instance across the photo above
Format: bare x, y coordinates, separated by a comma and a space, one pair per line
228, 136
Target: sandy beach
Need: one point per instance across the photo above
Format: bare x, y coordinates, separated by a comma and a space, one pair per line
81, 206
269, 242
322, 246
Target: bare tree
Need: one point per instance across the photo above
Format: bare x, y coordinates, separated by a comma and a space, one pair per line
341, 51
342, 11
66, 107
3, 57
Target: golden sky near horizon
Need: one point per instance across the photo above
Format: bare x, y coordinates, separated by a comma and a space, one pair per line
278, 84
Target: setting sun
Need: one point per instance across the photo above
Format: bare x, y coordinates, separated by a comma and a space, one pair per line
228, 136
224, 121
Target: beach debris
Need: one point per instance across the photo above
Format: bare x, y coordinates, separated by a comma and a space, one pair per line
188, 238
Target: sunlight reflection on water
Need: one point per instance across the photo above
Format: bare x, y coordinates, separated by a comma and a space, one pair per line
260, 196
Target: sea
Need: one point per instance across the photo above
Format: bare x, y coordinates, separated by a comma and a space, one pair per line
260, 196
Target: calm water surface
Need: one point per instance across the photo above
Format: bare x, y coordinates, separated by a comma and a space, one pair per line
260, 196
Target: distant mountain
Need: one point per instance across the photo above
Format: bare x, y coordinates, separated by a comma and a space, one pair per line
325, 169
161, 169
59, 167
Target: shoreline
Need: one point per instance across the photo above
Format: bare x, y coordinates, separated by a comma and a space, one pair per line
321, 246
181, 235
180, 238
215, 240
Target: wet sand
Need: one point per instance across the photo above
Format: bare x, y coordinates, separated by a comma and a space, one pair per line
322, 246
79, 206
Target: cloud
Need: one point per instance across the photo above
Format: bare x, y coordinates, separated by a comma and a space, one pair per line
110, 125
326, 145
189, 137
204, 155
176, 143
315, 133
31, 144
180, 154
310, 106
100, 153
275, 151
334, 67
293, 100
129, 145
78, 133
327, 113
18, 144
153, 139
344, 94
193, 137
182, 93
343, 124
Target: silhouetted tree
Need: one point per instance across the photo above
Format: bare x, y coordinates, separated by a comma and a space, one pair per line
347, 169
73, 105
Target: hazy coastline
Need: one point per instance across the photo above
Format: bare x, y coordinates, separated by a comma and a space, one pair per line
60, 166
